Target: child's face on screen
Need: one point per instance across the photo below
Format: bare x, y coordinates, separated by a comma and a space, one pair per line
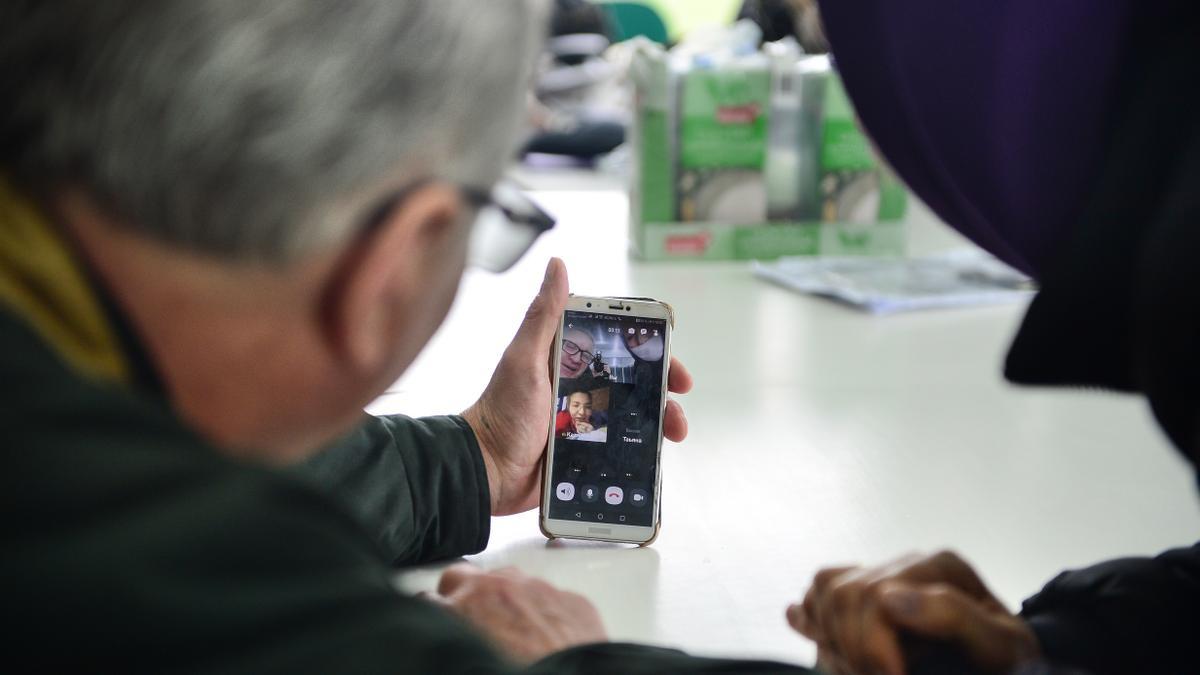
580, 406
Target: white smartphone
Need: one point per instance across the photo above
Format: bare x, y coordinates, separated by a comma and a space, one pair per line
602, 477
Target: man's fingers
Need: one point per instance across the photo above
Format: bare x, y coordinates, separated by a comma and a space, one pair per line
679, 380
675, 425
455, 576
510, 572
433, 598
536, 333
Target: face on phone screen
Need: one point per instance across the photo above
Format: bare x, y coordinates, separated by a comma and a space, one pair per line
607, 418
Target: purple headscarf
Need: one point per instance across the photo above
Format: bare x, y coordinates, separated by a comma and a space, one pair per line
993, 112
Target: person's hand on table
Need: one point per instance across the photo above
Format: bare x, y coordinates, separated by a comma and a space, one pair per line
856, 615
510, 419
526, 618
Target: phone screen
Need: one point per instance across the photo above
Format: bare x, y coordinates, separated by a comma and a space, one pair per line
607, 417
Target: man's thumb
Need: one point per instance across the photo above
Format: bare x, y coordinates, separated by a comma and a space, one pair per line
541, 320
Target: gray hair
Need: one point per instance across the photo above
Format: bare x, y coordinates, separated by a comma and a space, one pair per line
246, 128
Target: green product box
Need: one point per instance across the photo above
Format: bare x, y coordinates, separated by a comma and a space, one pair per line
722, 144
756, 158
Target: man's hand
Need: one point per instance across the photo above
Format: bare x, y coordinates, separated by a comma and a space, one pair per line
856, 615
584, 427
526, 618
512, 417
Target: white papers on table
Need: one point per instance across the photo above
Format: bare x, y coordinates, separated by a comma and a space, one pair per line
885, 285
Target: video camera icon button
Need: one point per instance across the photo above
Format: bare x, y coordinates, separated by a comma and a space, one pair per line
639, 497
565, 491
614, 495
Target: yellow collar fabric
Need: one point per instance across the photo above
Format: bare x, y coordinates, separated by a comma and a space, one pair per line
43, 283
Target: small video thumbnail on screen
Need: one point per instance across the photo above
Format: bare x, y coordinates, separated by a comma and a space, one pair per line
597, 353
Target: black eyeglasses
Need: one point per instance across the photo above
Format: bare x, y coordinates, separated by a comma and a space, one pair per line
571, 349
507, 224
505, 227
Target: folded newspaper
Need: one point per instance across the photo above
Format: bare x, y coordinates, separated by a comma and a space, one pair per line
885, 285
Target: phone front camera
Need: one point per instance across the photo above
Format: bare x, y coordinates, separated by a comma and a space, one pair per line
589, 304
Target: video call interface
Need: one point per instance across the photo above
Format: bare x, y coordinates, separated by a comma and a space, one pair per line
607, 419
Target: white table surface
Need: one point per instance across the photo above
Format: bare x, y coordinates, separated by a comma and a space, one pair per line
818, 435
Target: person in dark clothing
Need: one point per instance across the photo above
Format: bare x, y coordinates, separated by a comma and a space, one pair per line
1064, 139
224, 228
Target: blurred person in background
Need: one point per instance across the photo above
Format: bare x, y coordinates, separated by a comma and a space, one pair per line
1064, 138
778, 19
576, 110
578, 17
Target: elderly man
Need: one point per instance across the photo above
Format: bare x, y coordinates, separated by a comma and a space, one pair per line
577, 351
225, 226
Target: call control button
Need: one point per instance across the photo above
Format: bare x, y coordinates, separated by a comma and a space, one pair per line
565, 491
614, 495
639, 497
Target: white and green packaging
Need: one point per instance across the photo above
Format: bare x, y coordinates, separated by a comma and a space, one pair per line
754, 157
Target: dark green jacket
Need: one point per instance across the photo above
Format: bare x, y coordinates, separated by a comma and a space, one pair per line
130, 544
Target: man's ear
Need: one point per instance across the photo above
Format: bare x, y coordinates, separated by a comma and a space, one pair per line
381, 274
